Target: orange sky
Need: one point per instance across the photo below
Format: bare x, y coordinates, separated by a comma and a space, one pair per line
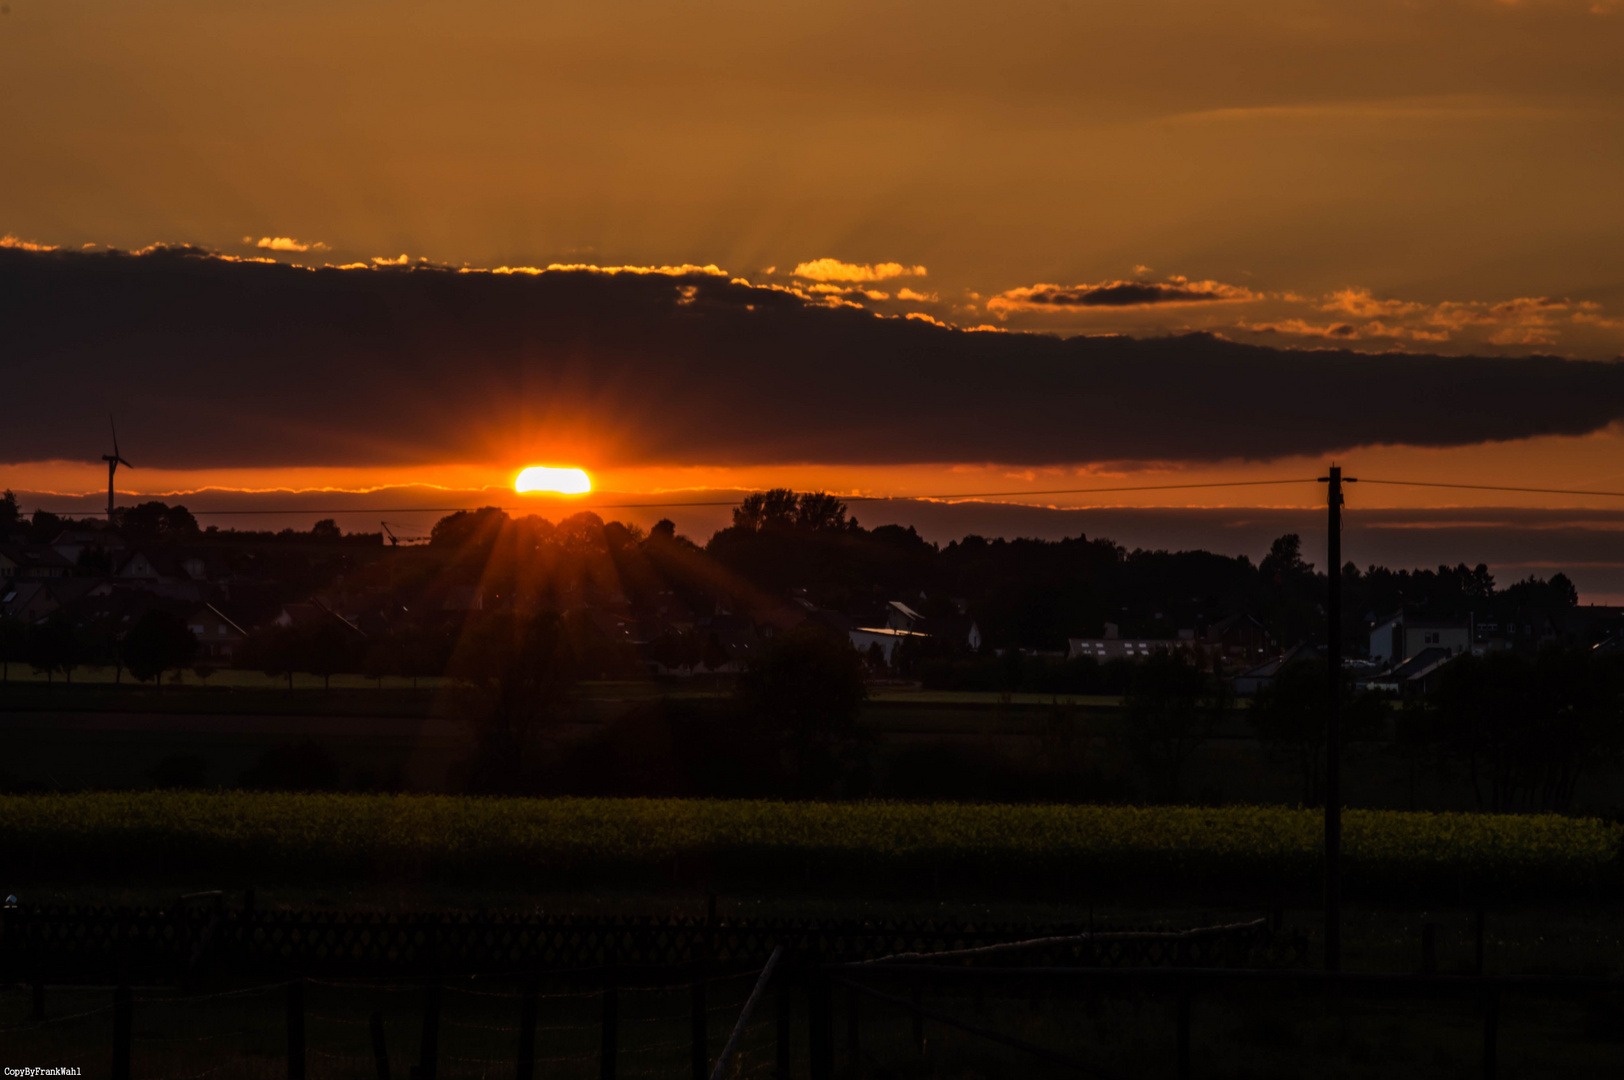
1386, 175
1589, 463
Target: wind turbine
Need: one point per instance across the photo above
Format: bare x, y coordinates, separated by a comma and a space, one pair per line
114, 460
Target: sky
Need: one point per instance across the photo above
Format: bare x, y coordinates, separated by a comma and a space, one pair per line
883, 249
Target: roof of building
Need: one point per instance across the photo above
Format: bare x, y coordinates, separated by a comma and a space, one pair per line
1422, 663
35, 556
905, 611
97, 537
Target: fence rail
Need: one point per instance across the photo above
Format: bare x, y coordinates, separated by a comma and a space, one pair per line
63, 943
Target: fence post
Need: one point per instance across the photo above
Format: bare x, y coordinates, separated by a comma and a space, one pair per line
700, 1053
1184, 1034
122, 1008
1491, 1032
527, 1030
785, 1014
1429, 948
428, 1062
854, 1053
611, 1028
380, 1047
821, 1050
698, 1036
296, 1029
918, 1019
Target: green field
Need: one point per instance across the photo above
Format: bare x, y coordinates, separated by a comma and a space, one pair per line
1173, 850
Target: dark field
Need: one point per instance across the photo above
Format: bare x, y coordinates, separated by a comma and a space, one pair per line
649, 738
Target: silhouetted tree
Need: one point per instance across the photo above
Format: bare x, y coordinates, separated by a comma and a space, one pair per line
515, 673
159, 641
775, 509
155, 521
466, 526
1521, 729
272, 650
43, 527
13, 644
818, 511
324, 650
808, 684
54, 646
1171, 708
1289, 714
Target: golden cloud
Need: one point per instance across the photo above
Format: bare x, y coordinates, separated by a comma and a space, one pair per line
835, 270
1360, 303
684, 270
10, 241
285, 243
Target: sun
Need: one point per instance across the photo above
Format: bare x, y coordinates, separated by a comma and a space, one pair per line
553, 481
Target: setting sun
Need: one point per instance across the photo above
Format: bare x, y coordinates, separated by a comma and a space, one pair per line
556, 481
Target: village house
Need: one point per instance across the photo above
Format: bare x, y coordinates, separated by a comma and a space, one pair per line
1398, 638
218, 638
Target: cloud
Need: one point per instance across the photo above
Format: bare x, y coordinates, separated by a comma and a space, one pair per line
10, 241
1520, 322
285, 243
1118, 294
217, 363
670, 271
835, 270
1360, 303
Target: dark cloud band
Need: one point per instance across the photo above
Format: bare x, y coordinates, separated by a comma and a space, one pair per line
218, 363
1118, 294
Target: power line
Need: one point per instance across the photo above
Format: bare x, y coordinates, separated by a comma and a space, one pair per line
734, 502
1492, 487
294, 511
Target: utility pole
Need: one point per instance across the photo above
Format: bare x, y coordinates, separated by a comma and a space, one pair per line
1333, 721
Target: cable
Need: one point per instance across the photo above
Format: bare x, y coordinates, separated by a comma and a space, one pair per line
734, 502
1491, 487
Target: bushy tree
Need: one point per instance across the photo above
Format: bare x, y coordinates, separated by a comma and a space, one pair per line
1521, 730
1172, 707
13, 645
54, 647
808, 685
155, 521
159, 641
1289, 715
515, 673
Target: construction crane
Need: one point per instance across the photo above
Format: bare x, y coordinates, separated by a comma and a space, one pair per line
395, 541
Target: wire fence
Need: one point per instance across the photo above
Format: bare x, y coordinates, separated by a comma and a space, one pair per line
821, 1022
993, 1009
